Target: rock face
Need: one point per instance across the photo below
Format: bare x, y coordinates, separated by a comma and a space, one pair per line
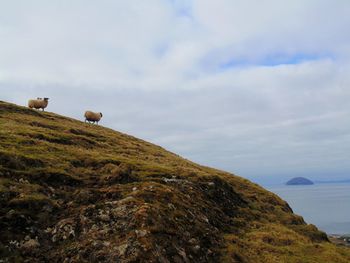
74, 192
299, 181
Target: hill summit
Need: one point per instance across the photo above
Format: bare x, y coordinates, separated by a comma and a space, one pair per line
75, 192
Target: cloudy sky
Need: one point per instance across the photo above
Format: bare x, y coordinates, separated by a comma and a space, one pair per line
258, 88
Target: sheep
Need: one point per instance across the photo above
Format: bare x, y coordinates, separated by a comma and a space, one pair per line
39, 103
93, 116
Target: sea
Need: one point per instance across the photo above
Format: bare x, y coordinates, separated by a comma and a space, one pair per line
326, 205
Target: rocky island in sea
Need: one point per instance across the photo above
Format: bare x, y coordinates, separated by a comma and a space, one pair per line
299, 181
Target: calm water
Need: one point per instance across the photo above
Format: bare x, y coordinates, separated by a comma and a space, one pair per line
325, 205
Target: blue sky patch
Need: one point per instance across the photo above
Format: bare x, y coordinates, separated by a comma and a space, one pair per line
274, 60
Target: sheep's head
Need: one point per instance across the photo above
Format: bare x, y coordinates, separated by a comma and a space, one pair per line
46, 99
101, 114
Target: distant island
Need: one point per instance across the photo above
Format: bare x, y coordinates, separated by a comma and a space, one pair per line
299, 181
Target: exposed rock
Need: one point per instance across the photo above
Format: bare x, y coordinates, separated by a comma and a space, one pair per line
104, 217
30, 244
122, 249
141, 233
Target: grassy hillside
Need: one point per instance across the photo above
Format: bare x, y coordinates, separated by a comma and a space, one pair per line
75, 192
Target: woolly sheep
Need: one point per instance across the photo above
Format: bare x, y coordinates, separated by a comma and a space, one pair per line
39, 103
93, 116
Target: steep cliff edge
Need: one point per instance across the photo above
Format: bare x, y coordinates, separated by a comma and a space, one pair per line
74, 192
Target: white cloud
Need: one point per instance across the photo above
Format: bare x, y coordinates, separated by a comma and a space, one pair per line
256, 87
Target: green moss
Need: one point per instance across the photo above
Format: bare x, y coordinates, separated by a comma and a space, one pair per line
4, 183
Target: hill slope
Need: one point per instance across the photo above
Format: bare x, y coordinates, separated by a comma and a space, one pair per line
74, 192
